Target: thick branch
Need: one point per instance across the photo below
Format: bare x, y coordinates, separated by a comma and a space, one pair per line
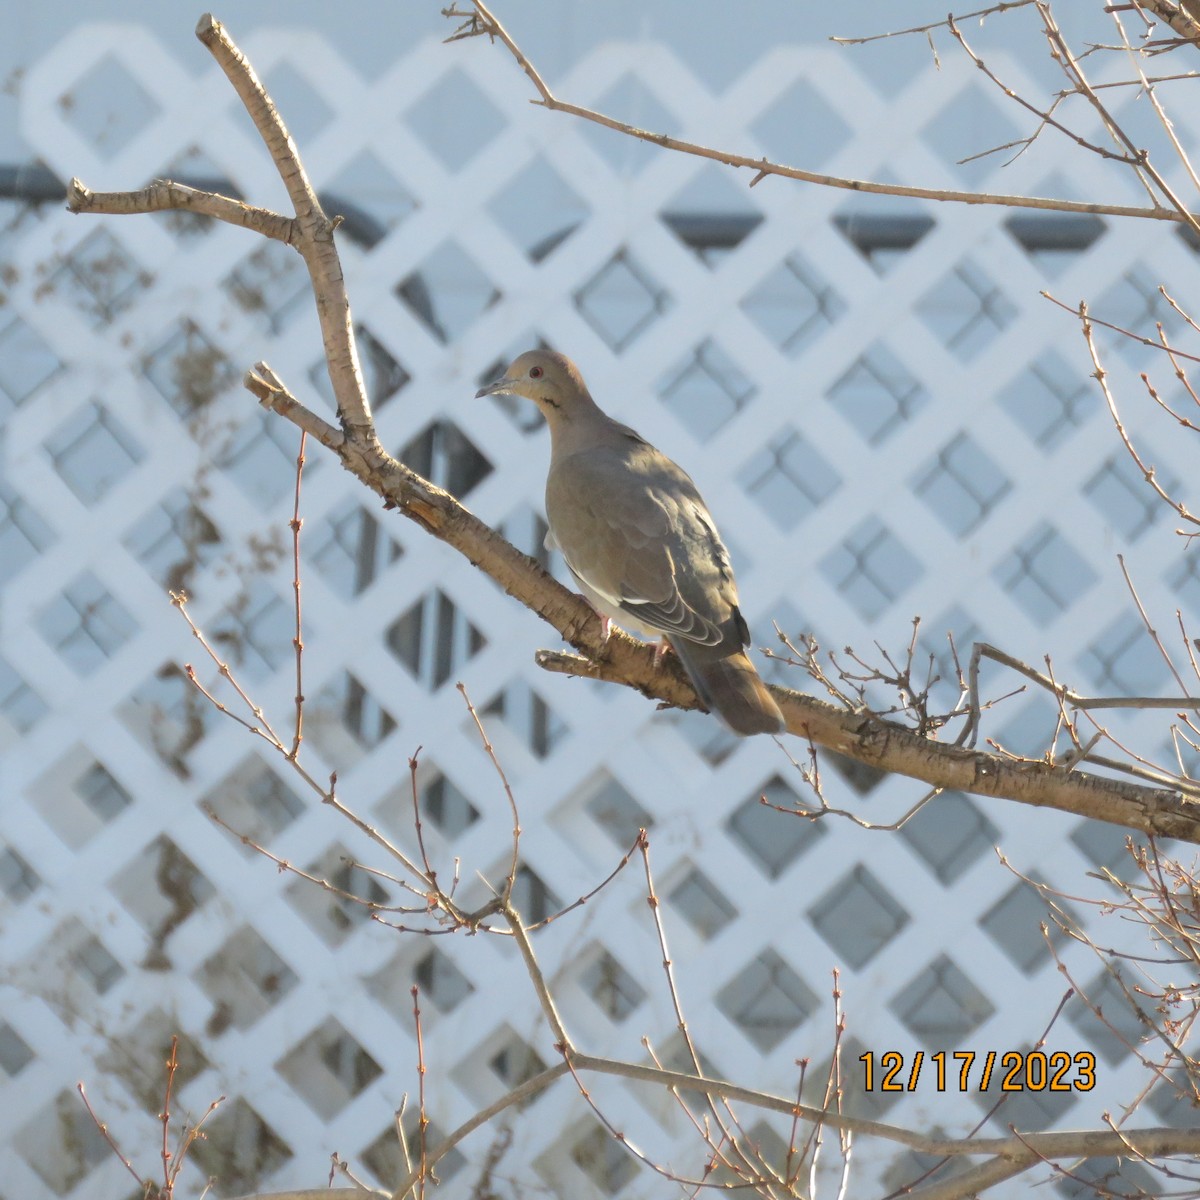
1162, 811
315, 239
1183, 16
164, 195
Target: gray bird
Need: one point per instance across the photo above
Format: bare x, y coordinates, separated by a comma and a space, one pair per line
640, 541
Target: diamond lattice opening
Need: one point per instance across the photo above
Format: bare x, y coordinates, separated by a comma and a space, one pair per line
1118, 1027
701, 903
616, 810
350, 549
871, 568
254, 633
793, 305
525, 223
1119, 490
99, 278
370, 197
161, 887
61, 1143
23, 533
950, 834
961, 484
455, 120
883, 239
877, 395
174, 541
710, 215
967, 311
801, 126
260, 458
446, 456
327, 1068
345, 721
532, 896
448, 292
239, 1148
1015, 924
1135, 303
293, 93
271, 284
858, 916
1044, 574
621, 301
615, 991
965, 126
334, 915
534, 724
137, 1053
87, 625
71, 969
631, 100
168, 715
26, 361
188, 370
107, 106
1049, 400
766, 1000
386, 1159
254, 802
604, 1160
706, 390
515, 1062
773, 841
1104, 845
1125, 661
244, 979
1055, 241
788, 478
78, 796
382, 373
444, 803
93, 451
940, 1005
440, 980
434, 639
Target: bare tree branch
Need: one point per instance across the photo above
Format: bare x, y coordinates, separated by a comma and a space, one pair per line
487, 24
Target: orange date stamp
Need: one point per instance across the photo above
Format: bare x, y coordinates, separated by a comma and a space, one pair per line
968, 1070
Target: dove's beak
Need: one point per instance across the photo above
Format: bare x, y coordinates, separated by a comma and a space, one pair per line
496, 388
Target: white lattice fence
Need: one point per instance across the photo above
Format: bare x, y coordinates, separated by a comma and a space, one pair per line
883, 413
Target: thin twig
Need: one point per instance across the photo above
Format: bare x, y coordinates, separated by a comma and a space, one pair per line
512, 804
422, 1115
762, 167
100, 1125
298, 641
980, 12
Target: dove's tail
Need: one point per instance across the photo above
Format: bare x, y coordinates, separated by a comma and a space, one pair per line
731, 688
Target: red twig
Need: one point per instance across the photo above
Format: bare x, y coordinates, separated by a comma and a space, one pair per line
100, 1125
422, 1117
298, 641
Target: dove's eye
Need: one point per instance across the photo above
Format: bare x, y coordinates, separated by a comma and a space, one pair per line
535, 372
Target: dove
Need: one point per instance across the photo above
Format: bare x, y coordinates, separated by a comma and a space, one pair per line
639, 540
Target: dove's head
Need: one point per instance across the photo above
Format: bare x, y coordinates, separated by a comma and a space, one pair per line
551, 380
